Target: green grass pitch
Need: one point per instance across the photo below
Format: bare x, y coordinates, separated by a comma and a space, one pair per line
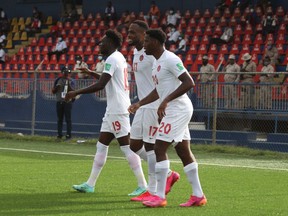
36, 179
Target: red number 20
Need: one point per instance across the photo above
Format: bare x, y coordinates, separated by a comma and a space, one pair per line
166, 128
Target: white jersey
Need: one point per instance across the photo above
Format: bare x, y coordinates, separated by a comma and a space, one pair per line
117, 89
142, 68
166, 71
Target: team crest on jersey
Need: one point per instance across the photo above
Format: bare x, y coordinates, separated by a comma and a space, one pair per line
159, 68
141, 57
180, 66
107, 66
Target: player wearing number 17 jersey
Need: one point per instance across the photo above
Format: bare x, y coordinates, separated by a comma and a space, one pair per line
116, 122
172, 82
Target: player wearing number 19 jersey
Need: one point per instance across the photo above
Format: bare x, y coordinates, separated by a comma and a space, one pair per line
172, 82
116, 122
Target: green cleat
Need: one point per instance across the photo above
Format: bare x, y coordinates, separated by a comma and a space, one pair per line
84, 188
138, 191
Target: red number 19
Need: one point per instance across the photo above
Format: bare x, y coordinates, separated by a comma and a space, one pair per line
116, 125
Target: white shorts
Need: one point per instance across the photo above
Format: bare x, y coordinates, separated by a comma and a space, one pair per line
117, 124
145, 125
174, 127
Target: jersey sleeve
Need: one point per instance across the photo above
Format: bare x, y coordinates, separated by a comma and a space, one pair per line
110, 66
176, 66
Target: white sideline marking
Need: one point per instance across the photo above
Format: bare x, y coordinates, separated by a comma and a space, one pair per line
122, 158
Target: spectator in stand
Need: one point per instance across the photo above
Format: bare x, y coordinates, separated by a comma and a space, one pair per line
225, 38
80, 64
181, 46
35, 27
230, 90
269, 24
61, 48
206, 87
2, 38
36, 13
5, 25
246, 78
2, 14
63, 85
266, 79
54, 30
271, 51
154, 12
2, 55
126, 21
172, 17
173, 36
110, 13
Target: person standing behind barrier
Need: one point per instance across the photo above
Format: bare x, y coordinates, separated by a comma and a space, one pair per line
206, 85
230, 90
266, 80
63, 85
271, 51
116, 121
80, 64
247, 89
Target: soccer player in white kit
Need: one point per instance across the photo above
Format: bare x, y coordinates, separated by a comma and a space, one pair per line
145, 123
116, 122
172, 81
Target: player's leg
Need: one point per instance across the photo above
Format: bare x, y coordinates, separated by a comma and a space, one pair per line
191, 170
121, 127
98, 163
161, 170
136, 135
60, 115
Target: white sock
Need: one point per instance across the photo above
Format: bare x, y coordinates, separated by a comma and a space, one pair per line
161, 171
142, 153
135, 164
191, 171
99, 161
152, 182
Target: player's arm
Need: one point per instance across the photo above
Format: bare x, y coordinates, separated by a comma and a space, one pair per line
104, 79
186, 85
153, 96
90, 72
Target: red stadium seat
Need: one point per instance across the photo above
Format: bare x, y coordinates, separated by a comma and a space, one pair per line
88, 50
213, 49
192, 49
218, 30
245, 49
269, 37
211, 59
33, 42
212, 22
93, 25
98, 17
79, 33
53, 59
49, 42
208, 30
217, 13
202, 49
256, 49
280, 48
223, 22
280, 11
21, 51
198, 31
13, 60
255, 58
154, 24
74, 42
97, 34
22, 59
111, 24
188, 60
195, 40
220, 57
187, 14
41, 41
92, 41
71, 33
182, 23
197, 14
76, 25
71, 50
90, 60
198, 60
238, 30
259, 28
202, 22
67, 26
192, 22
248, 29
79, 50
71, 60
207, 13
282, 28
37, 59
48, 67
29, 59
232, 21
259, 11
102, 25
96, 50
29, 51
258, 39
224, 49
237, 39
247, 39
227, 13
280, 39
83, 41
57, 67
234, 49
188, 31
205, 40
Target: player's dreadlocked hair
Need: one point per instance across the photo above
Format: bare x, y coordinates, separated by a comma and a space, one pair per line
115, 37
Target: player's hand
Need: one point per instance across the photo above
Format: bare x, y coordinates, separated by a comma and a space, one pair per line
161, 110
70, 95
133, 108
